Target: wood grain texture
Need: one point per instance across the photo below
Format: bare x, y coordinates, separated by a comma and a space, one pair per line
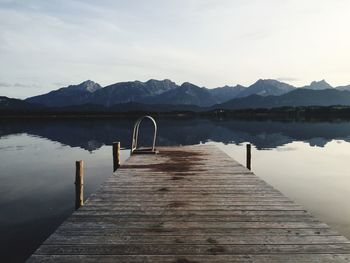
79, 184
190, 204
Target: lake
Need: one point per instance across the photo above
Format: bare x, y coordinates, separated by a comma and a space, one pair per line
307, 161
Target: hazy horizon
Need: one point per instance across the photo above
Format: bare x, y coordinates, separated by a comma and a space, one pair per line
47, 45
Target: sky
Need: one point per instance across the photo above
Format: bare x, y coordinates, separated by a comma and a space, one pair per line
45, 45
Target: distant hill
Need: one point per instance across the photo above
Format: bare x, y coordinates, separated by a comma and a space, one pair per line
71, 95
126, 107
318, 85
10, 104
295, 98
266, 87
226, 93
132, 91
129, 107
343, 87
186, 94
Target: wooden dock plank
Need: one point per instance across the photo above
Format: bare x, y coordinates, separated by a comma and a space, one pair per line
189, 249
63, 239
270, 258
187, 205
198, 232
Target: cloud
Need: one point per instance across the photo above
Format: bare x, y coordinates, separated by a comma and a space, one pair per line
18, 90
20, 85
5, 84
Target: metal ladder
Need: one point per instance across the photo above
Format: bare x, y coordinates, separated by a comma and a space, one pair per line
134, 148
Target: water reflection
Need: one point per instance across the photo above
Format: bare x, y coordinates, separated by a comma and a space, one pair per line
37, 189
93, 134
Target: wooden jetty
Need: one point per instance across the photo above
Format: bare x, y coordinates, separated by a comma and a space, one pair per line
190, 204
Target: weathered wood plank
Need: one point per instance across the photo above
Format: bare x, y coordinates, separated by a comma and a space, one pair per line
270, 258
192, 249
190, 218
190, 225
216, 213
192, 197
197, 232
63, 239
209, 203
188, 205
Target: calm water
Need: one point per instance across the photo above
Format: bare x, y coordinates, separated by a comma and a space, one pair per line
308, 162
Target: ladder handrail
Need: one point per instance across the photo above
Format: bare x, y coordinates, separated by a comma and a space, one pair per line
136, 133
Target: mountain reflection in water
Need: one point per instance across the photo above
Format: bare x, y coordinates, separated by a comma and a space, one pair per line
91, 134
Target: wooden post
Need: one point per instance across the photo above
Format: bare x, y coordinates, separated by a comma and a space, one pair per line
79, 184
116, 156
249, 156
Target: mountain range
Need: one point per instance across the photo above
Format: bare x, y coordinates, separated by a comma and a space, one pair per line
167, 95
295, 98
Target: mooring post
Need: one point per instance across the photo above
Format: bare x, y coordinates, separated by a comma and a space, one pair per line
116, 156
79, 184
249, 156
